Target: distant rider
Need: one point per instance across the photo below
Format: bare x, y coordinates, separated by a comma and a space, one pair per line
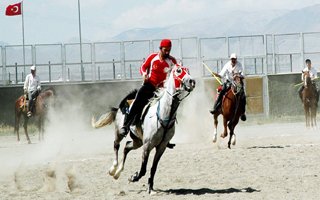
32, 88
227, 73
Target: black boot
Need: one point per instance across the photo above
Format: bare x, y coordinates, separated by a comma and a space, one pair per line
170, 145
216, 106
124, 129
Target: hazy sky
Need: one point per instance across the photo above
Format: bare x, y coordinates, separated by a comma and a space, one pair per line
56, 21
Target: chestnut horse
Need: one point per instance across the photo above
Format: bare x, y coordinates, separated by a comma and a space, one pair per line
41, 106
310, 101
233, 106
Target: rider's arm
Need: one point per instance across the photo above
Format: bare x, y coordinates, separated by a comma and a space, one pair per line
224, 70
26, 83
39, 84
216, 74
144, 69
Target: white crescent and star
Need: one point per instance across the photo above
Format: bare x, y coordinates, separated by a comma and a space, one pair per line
15, 9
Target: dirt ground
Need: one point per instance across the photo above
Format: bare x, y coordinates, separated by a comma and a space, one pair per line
270, 161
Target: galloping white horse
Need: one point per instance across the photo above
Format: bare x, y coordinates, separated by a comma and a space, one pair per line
157, 127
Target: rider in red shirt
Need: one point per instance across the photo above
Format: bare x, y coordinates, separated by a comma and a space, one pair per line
154, 72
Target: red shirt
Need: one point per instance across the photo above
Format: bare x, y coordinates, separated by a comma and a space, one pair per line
157, 69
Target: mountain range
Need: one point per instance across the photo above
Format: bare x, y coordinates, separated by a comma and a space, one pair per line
235, 23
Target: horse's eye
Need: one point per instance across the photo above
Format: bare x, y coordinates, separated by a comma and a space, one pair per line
179, 70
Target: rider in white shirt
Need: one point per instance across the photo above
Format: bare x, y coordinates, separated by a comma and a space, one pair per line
32, 88
313, 75
227, 73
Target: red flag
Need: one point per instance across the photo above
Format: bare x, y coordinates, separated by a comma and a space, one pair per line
14, 9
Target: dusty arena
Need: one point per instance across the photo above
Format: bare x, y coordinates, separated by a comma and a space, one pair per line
272, 159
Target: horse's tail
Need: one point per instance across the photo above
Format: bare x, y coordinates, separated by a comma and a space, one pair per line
105, 119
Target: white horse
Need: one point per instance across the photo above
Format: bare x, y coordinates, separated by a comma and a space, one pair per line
157, 127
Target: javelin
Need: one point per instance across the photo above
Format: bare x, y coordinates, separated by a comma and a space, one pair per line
204, 64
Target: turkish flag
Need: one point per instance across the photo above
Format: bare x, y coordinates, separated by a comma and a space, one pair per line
14, 9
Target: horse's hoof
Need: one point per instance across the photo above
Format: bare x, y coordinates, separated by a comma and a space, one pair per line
116, 176
111, 172
214, 140
134, 178
29, 142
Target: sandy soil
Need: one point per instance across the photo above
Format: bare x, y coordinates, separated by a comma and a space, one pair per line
269, 161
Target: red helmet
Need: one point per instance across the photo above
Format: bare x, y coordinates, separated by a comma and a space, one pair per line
165, 43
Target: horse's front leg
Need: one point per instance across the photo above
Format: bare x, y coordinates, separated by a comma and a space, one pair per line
215, 132
25, 126
159, 152
225, 128
17, 124
113, 168
145, 156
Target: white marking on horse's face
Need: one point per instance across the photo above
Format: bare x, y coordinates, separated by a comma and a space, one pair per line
183, 78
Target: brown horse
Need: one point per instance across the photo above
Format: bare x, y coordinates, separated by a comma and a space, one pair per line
232, 108
310, 101
41, 104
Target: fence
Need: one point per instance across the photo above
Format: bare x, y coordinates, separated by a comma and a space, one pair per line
103, 61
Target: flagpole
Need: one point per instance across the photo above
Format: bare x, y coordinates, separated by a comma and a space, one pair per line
82, 69
24, 53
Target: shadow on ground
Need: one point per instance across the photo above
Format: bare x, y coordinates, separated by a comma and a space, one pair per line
203, 191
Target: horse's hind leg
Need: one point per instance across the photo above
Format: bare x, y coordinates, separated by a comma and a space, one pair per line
25, 126
113, 168
215, 128
130, 145
17, 124
225, 128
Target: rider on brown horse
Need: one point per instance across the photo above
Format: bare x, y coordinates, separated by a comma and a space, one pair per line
313, 75
229, 70
32, 88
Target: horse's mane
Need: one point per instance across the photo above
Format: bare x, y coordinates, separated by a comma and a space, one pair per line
158, 94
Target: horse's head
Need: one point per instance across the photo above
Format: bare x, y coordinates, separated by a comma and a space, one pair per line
306, 78
237, 83
183, 79
46, 96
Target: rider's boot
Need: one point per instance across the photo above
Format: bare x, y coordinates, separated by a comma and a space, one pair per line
216, 105
30, 107
170, 145
125, 128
